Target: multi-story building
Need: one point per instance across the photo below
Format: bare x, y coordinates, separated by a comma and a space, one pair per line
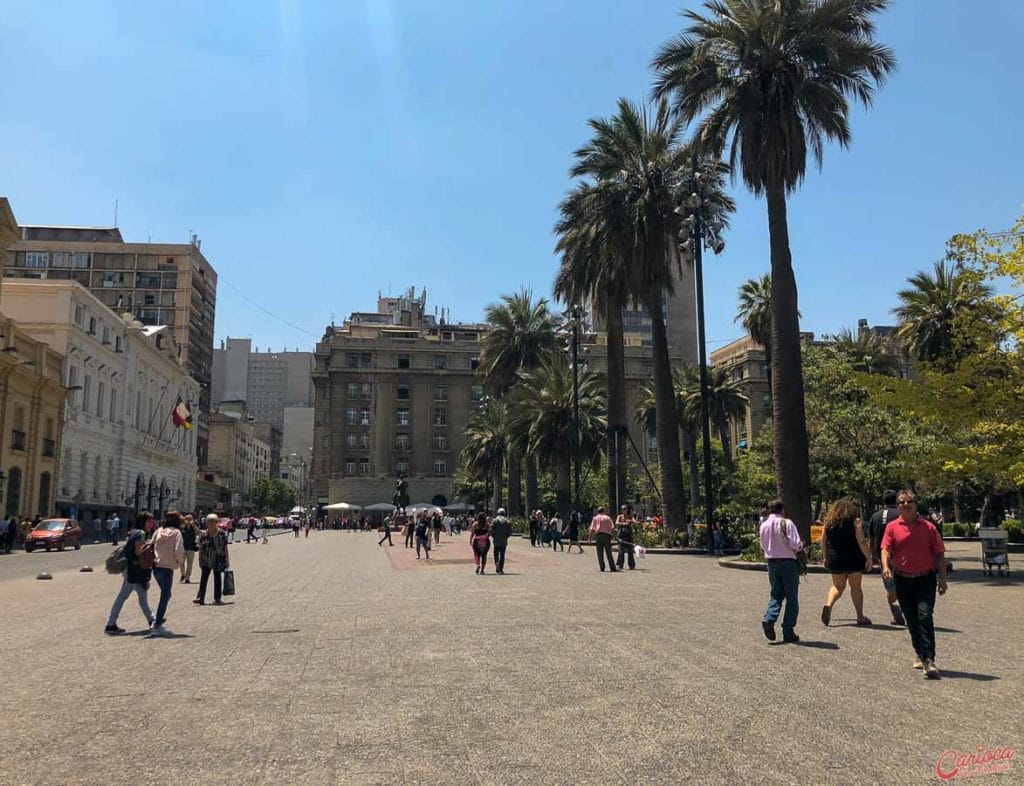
394, 390
237, 455
122, 451
168, 284
31, 402
277, 388
272, 437
746, 363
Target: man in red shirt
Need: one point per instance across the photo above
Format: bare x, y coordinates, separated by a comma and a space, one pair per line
911, 550
601, 527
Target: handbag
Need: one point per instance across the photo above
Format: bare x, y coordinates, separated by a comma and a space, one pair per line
229, 582
801, 553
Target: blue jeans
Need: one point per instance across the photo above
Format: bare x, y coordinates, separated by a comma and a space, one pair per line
785, 581
126, 590
165, 580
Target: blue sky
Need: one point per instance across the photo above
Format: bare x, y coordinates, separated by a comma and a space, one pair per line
327, 150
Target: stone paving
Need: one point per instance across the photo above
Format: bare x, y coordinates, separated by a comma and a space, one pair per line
343, 662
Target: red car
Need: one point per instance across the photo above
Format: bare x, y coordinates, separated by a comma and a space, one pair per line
54, 534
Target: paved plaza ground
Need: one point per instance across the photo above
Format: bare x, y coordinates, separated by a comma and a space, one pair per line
341, 662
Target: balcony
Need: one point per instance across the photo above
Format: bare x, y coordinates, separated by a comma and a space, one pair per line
17, 439
49, 447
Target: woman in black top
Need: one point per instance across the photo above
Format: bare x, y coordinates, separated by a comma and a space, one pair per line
847, 555
480, 538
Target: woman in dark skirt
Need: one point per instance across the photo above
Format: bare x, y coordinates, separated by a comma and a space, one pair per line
847, 555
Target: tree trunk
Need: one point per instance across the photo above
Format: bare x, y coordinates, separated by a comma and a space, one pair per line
984, 510
690, 437
532, 490
515, 486
667, 426
498, 481
617, 453
818, 502
724, 435
789, 425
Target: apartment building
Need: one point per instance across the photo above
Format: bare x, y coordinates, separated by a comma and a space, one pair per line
238, 457
161, 284
747, 365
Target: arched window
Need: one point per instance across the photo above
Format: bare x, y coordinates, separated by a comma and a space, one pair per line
13, 491
44, 495
96, 478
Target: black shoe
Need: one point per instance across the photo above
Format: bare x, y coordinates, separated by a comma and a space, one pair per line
791, 638
218, 602
113, 630
199, 602
769, 630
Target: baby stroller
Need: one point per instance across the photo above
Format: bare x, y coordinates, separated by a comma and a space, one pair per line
994, 551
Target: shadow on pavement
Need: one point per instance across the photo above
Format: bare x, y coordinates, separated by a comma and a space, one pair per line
816, 645
966, 675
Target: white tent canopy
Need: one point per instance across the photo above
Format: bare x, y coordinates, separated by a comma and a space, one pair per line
421, 506
297, 509
385, 506
458, 507
342, 506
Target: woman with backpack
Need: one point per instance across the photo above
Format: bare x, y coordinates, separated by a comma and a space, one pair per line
480, 538
168, 554
213, 558
138, 557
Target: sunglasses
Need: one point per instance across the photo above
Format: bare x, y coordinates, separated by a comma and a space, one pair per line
906, 502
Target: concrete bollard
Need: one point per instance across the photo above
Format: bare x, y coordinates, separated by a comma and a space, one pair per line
44, 577
85, 569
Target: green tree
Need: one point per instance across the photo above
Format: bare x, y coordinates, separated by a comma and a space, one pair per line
754, 312
770, 81
545, 409
272, 497
522, 334
486, 446
866, 352
726, 403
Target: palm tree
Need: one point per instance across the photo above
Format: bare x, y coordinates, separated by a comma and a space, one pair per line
726, 403
544, 407
754, 312
866, 352
595, 242
522, 333
486, 446
771, 80
931, 308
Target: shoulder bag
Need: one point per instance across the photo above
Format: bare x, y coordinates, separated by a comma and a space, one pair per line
801, 553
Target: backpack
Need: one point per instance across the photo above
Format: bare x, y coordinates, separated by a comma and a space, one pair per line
147, 557
117, 561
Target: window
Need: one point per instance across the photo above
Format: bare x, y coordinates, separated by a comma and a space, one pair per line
402, 392
113, 405
87, 393
49, 443
440, 466
404, 361
73, 382
350, 466
440, 392
101, 399
80, 259
44, 494
351, 416
440, 362
117, 343
401, 467
365, 390
352, 360
440, 442
37, 258
351, 440
474, 364
79, 315
92, 326
440, 416
18, 430
403, 442
352, 389
106, 336
364, 467
364, 417
476, 393
402, 416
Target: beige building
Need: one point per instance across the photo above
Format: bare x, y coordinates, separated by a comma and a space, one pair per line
394, 390
168, 284
238, 457
31, 403
745, 361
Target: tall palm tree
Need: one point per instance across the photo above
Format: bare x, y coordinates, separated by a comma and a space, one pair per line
595, 243
544, 405
931, 307
726, 403
866, 352
754, 312
771, 81
522, 333
486, 446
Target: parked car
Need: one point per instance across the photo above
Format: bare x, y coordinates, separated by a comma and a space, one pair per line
54, 534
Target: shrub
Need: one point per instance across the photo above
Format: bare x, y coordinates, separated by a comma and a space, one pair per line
1013, 527
753, 552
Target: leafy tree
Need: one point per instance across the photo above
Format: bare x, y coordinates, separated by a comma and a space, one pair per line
486, 446
726, 403
754, 312
866, 352
770, 81
272, 496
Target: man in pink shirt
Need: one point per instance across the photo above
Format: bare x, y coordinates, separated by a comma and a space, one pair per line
911, 551
602, 527
780, 540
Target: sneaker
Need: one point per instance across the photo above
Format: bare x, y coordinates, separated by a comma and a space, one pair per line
918, 664
113, 630
931, 672
769, 630
897, 616
792, 638
157, 631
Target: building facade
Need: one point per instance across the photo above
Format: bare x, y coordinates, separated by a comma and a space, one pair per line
394, 390
747, 365
238, 457
121, 450
169, 284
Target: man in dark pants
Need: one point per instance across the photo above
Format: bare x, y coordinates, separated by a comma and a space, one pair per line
501, 528
781, 542
387, 535
410, 530
601, 527
911, 550
876, 529
625, 523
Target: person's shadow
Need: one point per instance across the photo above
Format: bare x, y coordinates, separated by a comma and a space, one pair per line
967, 675
813, 645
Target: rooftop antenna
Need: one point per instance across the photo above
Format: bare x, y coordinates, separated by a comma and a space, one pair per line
115, 211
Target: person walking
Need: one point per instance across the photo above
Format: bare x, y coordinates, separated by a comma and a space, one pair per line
876, 529
250, 530
480, 541
137, 571
718, 537
112, 524
232, 526
625, 522
422, 530
213, 558
572, 530
190, 540
387, 534
780, 540
296, 525
846, 555
437, 524
601, 528
308, 524
408, 526
168, 554
555, 527
501, 529
911, 552
5, 531
534, 528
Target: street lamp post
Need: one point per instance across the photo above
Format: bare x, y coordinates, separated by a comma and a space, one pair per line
576, 409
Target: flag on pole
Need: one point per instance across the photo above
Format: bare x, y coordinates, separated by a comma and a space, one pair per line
181, 415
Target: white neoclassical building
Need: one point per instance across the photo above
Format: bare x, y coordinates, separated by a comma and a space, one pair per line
121, 449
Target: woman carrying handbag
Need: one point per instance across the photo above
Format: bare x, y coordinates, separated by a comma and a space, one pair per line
213, 558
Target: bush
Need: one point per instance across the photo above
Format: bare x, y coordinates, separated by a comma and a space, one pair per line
753, 552
519, 525
1013, 527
